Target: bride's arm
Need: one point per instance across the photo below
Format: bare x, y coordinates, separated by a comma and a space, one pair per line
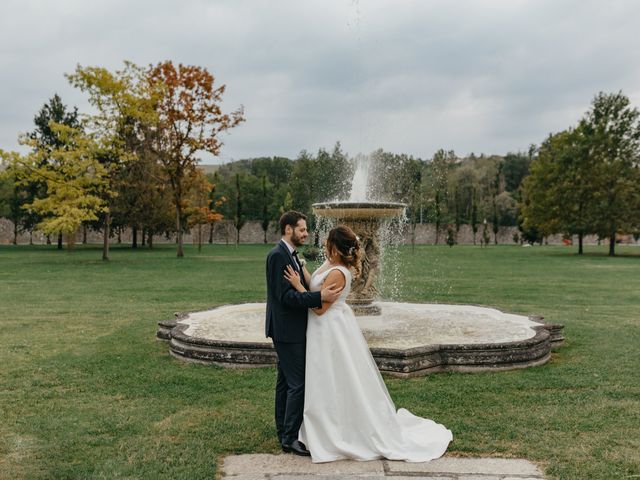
330, 292
337, 278
307, 275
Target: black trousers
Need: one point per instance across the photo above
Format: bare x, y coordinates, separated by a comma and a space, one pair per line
289, 390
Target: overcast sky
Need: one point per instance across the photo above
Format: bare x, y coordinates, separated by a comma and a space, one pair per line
483, 76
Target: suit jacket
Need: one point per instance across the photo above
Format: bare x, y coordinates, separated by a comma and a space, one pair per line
287, 309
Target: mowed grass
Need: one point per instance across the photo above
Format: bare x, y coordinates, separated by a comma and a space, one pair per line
86, 390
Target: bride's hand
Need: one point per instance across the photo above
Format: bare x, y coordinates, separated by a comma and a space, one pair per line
293, 277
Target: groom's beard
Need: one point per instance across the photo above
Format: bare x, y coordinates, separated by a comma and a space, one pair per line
297, 241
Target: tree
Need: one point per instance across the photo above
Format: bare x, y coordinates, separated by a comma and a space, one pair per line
413, 174
304, 182
474, 216
437, 185
190, 120
278, 173
506, 209
51, 113
124, 105
265, 209
451, 241
216, 201
485, 234
395, 178
13, 195
143, 201
197, 207
494, 222
559, 193
611, 131
75, 180
239, 219
514, 168
334, 172
276, 169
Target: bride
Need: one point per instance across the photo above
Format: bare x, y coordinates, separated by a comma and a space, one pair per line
348, 413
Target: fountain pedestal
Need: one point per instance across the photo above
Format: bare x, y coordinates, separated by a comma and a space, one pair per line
365, 219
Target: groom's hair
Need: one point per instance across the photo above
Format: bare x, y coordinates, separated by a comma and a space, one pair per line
290, 218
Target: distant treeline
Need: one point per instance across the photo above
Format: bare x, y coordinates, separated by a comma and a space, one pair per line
133, 163
445, 190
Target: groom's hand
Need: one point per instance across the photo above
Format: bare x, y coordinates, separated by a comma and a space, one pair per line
330, 293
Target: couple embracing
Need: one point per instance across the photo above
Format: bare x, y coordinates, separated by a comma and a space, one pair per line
331, 402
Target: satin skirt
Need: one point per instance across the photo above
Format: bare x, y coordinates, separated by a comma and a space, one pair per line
348, 413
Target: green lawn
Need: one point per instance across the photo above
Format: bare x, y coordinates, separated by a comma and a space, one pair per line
86, 391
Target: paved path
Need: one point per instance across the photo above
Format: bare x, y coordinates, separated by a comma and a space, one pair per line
290, 467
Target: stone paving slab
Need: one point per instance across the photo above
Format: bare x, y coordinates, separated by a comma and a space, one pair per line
293, 464
292, 467
477, 466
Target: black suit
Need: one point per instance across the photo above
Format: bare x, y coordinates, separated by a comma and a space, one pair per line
286, 324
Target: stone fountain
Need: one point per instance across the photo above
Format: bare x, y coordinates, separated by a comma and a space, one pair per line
365, 219
406, 339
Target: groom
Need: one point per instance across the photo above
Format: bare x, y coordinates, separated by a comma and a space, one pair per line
286, 324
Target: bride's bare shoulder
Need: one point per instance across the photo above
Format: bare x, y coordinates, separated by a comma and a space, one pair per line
336, 276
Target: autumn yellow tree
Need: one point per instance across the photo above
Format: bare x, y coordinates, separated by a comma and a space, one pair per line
124, 103
190, 120
198, 208
77, 183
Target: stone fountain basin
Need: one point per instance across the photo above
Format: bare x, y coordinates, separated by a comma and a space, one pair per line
407, 339
358, 210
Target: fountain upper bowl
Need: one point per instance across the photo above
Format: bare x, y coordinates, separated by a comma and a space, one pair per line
358, 210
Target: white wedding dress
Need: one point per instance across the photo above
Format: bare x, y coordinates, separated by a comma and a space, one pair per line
348, 413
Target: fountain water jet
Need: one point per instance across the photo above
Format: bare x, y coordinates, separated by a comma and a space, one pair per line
365, 217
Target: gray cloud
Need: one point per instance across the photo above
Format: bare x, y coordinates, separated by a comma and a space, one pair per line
412, 76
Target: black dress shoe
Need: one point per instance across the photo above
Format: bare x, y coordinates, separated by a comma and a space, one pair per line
297, 448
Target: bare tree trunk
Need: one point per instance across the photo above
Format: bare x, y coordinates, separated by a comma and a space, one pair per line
105, 236
612, 245
580, 239
84, 234
179, 228
211, 233
150, 240
71, 239
134, 237
119, 235
59, 240
30, 237
199, 237
48, 239
15, 233
413, 238
143, 234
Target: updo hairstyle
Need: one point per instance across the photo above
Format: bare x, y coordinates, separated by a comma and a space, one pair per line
344, 242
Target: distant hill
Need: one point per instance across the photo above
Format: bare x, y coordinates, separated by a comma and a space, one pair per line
208, 168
